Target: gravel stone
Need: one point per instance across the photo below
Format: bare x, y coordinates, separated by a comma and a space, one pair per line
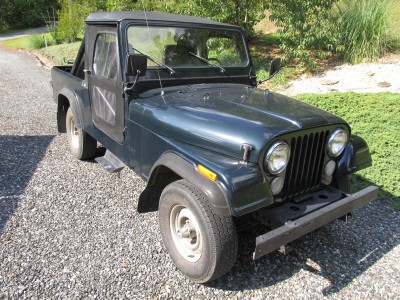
70, 230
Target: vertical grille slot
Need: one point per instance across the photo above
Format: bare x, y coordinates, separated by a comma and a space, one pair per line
304, 171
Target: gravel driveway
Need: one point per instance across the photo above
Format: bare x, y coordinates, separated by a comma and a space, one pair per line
70, 230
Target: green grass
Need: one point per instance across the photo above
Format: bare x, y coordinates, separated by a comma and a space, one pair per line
394, 25
57, 53
18, 43
375, 117
363, 29
27, 42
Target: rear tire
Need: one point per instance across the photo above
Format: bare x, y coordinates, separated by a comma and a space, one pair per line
202, 245
81, 144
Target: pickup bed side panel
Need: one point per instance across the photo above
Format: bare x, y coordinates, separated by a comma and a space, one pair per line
71, 88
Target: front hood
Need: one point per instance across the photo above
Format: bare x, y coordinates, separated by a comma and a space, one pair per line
223, 117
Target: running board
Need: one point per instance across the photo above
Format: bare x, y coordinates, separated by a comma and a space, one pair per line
110, 162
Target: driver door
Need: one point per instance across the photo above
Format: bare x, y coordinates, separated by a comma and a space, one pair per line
105, 83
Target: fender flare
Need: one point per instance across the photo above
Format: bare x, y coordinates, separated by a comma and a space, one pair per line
148, 200
74, 104
356, 156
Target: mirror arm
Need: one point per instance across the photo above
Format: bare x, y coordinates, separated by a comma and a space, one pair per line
134, 83
270, 77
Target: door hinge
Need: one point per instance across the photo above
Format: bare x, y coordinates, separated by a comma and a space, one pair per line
124, 131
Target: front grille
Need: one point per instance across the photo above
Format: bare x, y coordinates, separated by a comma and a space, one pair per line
304, 170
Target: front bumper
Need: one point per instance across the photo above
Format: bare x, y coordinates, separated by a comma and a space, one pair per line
293, 229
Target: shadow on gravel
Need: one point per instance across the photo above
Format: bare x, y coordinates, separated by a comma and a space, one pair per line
19, 157
338, 252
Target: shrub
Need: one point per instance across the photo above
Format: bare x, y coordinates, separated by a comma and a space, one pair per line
71, 19
36, 41
362, 29
305, 29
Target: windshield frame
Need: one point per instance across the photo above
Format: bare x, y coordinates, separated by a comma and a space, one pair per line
230, 28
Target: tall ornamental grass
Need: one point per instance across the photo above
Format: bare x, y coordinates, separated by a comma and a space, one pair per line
363, 29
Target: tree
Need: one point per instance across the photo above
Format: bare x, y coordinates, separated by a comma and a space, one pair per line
306, 26
24, 13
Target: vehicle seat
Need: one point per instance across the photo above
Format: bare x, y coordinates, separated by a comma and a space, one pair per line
178, 55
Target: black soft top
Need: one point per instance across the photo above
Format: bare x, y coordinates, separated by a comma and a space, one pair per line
117, 16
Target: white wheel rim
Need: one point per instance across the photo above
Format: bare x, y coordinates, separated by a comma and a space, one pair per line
74, 134
186, 234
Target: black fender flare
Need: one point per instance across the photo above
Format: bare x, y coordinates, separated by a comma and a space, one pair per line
185, 169
75, 106
356, 156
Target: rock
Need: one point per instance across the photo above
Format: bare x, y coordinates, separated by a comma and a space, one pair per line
370, 74
384, 84
329, 82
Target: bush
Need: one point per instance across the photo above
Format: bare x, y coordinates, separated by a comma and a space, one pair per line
362, 29
71, 19
36, 41
305, 29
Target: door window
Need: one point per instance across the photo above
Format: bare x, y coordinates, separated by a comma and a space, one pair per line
105, 63
105, 68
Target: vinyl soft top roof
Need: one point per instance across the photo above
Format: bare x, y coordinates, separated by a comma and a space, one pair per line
117, 16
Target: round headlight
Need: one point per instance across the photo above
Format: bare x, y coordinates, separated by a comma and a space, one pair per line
277, 157
337, 142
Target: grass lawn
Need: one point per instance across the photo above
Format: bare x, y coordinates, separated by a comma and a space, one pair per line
375, 117
18, 43
25, 43
57, 53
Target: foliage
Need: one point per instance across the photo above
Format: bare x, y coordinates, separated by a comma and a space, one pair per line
375, 118
61, 53
36, 41
27, 42
243, 13
362, 29
71, 18
24, 13
304, 25
17, 43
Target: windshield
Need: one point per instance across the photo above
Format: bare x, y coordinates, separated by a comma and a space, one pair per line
184, 47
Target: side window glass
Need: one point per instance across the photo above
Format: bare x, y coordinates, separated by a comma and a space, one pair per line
105, 62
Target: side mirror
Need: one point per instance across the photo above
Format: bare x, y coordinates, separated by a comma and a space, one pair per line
136, 65
275, 66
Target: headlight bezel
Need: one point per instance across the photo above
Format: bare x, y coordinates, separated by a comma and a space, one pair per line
333, 139
267, 162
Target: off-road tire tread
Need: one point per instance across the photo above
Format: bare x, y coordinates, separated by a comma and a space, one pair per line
223, 226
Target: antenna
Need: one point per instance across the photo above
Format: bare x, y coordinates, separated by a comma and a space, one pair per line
148, 30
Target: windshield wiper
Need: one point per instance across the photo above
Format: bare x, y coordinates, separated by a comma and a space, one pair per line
171, 71
207, 62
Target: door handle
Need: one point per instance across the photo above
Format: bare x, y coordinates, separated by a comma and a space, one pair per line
87, 71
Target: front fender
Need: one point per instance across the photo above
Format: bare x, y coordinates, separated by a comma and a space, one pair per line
356, 156
187, 170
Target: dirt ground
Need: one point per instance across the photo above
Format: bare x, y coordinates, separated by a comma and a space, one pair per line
381, 76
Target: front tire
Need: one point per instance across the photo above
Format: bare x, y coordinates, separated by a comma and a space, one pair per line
202, 245
81, 144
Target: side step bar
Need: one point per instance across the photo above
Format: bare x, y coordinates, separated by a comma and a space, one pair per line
292, 230
110, 162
